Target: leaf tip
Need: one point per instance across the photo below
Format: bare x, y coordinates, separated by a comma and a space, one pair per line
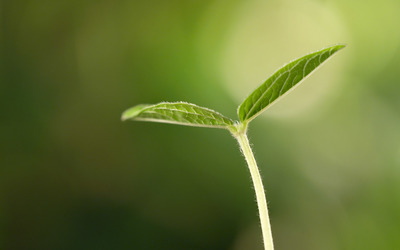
339, 46
124, 116
132, 112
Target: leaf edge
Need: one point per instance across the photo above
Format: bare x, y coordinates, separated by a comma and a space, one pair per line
340, 45
133, 112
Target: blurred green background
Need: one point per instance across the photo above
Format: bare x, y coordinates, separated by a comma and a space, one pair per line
73, 176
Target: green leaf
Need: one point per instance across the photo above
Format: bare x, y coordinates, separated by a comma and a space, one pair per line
178, 113
282, 81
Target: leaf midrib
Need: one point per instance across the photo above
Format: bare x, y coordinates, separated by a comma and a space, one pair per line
266, 91
185, 112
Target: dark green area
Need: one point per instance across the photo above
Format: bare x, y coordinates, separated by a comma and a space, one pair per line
73, 176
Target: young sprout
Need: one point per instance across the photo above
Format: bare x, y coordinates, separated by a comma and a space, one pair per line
276, 86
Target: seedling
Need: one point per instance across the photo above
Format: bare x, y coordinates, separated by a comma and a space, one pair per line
279, 84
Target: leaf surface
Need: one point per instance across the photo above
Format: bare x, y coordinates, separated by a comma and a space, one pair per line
283, 80
178, 113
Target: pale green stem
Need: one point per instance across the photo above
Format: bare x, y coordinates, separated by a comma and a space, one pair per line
241, 136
